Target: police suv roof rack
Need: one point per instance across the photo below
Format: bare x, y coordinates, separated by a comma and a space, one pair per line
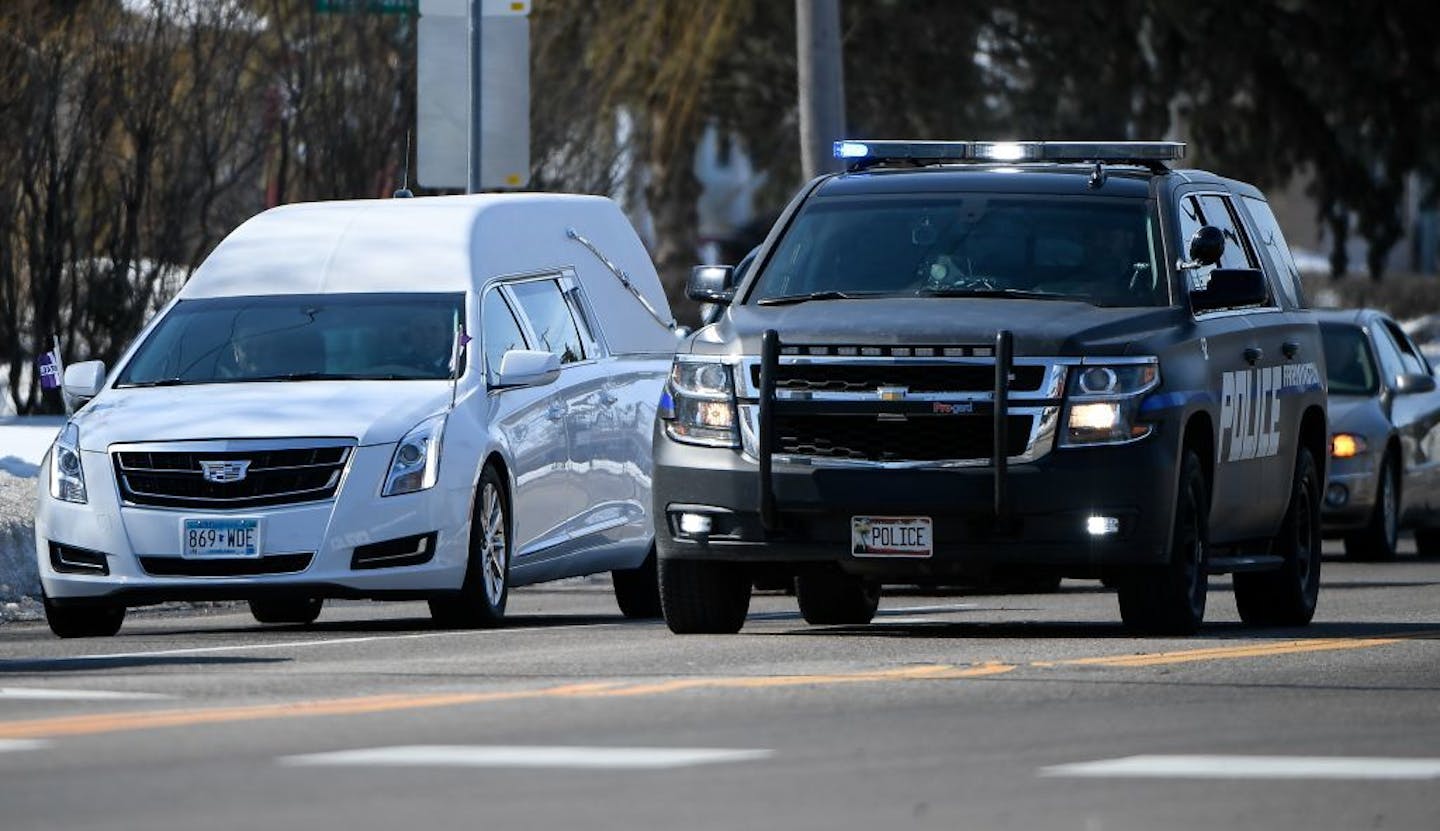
865, 153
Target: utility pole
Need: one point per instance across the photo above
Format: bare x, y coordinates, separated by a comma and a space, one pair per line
822, 83
476, 30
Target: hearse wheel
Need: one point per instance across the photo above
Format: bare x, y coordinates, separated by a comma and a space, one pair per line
87, 621
1170, 599
1287, 597
303, 610
637, 590
480, 603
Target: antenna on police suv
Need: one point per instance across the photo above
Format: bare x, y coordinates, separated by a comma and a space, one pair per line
404, 192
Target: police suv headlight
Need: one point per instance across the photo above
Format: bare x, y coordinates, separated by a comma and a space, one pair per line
415, 464
1103, 402
67, 477
699, 404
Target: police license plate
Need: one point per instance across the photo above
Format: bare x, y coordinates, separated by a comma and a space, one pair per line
217, 537
891, 536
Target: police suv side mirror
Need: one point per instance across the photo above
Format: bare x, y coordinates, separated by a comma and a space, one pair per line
1413, 382
1230, 288
83, 381
527, 368
1207, 246
711, 284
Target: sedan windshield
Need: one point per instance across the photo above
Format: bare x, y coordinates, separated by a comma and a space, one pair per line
300, 338
1102, 251
1349, 363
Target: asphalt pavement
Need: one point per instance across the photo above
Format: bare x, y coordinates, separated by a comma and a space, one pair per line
954, 710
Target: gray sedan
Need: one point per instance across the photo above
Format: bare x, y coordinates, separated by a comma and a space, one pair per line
1384, 471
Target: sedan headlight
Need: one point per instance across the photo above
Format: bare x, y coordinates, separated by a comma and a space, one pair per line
1347, 445
67, 476
415, 465
699, 404
1103, 402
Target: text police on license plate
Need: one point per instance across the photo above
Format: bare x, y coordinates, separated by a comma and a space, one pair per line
227, 537
891, 536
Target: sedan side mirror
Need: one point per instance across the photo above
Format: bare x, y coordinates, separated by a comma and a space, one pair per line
1412, 382
1231, 288
84, 380
527, 368
711, 284
1207, 246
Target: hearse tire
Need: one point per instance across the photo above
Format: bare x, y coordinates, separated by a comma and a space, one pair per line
637, 590
301, 610
98, 621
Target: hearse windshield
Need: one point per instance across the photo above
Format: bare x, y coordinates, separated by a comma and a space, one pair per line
300, 338
1103, 251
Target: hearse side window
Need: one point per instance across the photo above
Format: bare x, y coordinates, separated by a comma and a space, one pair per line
582, 322
1218, 213
500, 333
549, 315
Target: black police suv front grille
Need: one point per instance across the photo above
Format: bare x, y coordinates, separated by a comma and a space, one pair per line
864, 438
176, 479
918, 378
225, 566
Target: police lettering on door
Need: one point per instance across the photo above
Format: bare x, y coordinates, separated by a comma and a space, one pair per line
1250, 408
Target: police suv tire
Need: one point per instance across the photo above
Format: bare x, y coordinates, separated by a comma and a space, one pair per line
1170, 599
1427, 542
480, 602
97, 621
703, 597
1378, 539
637, 590
1287, 597
834, 598
302, 610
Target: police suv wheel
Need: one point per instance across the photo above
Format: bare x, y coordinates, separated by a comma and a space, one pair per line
1170, 600
637, 590
481, 600
1377, 540
701, 597
100, 621
302, 610
834, 597
1287, 597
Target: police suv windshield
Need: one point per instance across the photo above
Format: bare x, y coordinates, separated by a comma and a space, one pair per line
1103, 251
300, 338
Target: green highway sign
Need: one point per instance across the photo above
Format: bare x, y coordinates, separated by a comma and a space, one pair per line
368, 6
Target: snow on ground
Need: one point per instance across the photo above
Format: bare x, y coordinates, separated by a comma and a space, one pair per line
23, 442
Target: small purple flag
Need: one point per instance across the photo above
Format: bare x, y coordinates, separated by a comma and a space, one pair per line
50, 370
464, 338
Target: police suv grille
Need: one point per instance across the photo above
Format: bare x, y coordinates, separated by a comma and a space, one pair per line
918, 378
281, 476
864, 438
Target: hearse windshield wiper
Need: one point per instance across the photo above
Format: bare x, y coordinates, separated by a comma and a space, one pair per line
828, 294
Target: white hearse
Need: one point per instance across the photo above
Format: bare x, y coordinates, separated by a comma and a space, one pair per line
432, 398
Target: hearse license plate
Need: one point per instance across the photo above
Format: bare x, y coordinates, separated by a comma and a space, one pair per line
892, 536
227, 537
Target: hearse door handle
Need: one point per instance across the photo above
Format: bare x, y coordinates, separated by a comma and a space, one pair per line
607, 398
1253, 354
1291, 349
555, 412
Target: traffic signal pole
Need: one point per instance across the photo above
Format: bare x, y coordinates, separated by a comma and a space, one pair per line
476, 29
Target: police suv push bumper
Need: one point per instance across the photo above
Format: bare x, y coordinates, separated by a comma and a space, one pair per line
979, 469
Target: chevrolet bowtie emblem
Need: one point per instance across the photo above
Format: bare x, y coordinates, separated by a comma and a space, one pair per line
892, 393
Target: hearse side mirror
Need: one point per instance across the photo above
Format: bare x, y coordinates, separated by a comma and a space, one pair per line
1230, 288
1207, 246
711, 284
83, 381
528, 368
1412, 382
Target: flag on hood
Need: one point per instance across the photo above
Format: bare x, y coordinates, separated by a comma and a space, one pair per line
50, 370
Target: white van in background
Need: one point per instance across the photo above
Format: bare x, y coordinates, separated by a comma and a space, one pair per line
436, 398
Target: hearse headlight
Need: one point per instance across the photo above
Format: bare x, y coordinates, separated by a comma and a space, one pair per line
415, 464
67, 476
699, 404
1103, 402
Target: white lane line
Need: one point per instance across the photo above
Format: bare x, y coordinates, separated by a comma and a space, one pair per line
7, 745
882, 616
520, 756
1252, 767
36, 694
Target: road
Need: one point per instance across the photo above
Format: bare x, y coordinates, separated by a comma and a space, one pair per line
952, 711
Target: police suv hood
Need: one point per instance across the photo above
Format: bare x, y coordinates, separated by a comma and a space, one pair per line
371, 412
1040, 327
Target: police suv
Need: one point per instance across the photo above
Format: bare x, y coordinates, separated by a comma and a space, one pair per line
962, 359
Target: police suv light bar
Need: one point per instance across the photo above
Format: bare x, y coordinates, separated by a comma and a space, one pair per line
1148, 152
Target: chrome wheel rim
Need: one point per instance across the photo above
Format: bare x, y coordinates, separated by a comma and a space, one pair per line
494, 551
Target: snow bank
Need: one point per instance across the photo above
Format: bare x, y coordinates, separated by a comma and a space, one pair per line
23, 442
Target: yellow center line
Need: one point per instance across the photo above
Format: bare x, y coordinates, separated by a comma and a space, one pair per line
84, 725
1222, 653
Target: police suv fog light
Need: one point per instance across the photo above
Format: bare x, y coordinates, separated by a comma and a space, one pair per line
1336, 495
695, 525
1102, 526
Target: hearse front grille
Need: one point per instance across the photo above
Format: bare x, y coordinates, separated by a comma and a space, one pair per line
176, 478
225, 566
